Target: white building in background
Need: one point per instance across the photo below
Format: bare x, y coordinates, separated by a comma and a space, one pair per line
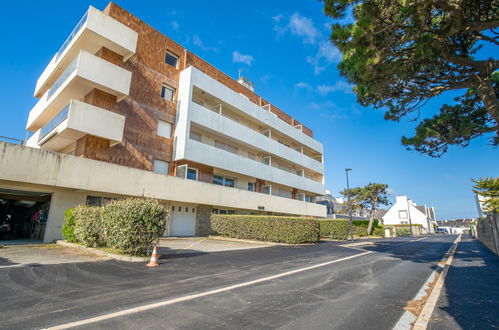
405, 210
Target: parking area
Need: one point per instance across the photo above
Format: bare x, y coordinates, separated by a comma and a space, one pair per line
182, 245
42, 254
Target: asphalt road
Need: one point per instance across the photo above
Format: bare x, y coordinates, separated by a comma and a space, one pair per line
363, 291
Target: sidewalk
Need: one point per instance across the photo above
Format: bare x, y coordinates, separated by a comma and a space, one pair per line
470, 298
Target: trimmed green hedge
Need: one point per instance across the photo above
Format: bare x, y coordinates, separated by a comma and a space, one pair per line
131, 225
365, 223
293, 230
401, 231
68, 228
334, 229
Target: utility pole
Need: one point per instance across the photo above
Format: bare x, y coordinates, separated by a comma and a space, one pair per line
348, 203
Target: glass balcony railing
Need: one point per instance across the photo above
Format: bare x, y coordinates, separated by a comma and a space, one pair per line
71, 36
69, 70
59, 118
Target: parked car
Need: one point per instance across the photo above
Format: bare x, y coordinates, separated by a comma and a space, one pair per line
441, 231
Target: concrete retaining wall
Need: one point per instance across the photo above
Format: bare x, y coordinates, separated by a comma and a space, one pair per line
487, 231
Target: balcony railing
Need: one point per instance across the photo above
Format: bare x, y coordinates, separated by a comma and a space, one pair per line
59, 118
69, 70
219, 110
71, 36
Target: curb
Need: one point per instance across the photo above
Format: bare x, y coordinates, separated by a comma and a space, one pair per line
102, 253
230, 239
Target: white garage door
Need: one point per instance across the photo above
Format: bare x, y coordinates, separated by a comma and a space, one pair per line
183, 221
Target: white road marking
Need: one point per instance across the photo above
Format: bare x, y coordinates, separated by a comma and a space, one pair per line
207, 293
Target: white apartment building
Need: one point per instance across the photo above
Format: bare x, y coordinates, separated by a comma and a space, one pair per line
125, 111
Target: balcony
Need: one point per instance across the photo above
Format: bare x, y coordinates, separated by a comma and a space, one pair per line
94, 31
85, 73
192, 77
76, 120
209, 155
245, 135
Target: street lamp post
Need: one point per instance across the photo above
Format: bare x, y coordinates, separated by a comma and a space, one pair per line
348, 202
409, 215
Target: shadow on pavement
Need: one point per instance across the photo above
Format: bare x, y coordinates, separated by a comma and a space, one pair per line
470, 299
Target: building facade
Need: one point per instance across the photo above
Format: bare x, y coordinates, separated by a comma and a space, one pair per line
120, 97
406, 211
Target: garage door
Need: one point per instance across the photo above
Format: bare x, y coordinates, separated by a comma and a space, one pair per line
183, 221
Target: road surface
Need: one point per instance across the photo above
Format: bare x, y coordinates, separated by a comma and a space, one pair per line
328, 285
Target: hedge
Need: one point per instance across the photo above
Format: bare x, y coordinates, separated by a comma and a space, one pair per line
131, 225
365, 223
68, 228
401, 231
293, 230
335, 229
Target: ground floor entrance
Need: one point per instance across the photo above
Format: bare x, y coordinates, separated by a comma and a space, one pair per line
183, 220
23, 214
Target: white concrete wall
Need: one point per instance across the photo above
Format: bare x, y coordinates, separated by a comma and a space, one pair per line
91, 72
99, 30
195, 77
60, 202
35, 166
212, 156
87, 118
242, 134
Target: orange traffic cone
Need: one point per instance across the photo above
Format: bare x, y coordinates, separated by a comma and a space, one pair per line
154, 259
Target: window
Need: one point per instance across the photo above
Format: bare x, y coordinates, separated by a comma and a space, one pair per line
226, 147
218, 180
309, 198
171, 59
164, 129
167, 93
98, 201
224, 181
251, 186
251, 155
266, 160
192, 174
267, 190
195, 136
402, 214
284, 193
229, 182
160, 167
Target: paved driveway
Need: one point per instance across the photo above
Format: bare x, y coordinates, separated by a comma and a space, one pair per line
43, 254
200, 245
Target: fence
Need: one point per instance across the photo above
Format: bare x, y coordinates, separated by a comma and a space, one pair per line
487, 231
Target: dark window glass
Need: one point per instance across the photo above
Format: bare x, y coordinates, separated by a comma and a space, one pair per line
171, 59
251, 186
231, 212
229, 182
167, 93
218, 180
192, 174
94, 201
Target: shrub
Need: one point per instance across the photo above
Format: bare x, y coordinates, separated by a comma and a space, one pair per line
133, 225
359, 230
401, 231
335, 229
365, 223
88, 225
379, 231
68, 228
292, 230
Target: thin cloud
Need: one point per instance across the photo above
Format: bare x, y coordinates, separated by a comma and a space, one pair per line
196, 40
175, 26
340, 86
303, 27
237, 57
303, 85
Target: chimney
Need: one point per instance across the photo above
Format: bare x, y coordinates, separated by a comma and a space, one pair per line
246, 83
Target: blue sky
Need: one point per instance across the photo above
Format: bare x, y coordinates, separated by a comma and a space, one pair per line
285, 52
